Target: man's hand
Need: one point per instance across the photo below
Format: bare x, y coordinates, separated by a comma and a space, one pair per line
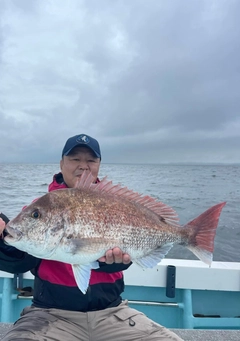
115, 256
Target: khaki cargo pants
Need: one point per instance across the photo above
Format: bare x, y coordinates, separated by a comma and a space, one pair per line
119, 324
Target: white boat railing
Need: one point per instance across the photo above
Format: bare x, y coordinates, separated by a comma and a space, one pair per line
195, 285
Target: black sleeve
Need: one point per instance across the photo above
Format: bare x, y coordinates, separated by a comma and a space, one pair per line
110, 268
15, 261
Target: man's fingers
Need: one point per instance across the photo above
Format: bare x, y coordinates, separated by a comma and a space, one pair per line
126, 259
115, 256
109, 257
2, 225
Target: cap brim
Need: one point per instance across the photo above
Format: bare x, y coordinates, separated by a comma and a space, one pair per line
82, 145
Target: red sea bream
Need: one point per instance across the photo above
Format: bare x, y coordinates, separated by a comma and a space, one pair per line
78, 225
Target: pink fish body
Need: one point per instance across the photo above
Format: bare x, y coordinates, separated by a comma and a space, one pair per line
78, 225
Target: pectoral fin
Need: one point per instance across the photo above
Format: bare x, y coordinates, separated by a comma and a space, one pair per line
82, 274
153, 258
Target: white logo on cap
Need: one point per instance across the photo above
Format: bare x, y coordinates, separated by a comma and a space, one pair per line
82, 139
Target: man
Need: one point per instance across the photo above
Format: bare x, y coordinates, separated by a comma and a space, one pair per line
60, 311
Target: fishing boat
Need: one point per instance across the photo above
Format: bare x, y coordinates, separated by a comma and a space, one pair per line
183, 295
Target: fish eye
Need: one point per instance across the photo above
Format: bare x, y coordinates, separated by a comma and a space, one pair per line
36, 214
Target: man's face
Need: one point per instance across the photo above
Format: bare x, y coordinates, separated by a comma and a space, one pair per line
73, 165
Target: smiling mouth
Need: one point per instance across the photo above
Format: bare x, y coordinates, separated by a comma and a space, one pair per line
79, 175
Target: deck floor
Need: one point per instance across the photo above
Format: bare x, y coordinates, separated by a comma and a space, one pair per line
185, 334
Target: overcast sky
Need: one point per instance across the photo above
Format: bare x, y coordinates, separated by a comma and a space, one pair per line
154, 81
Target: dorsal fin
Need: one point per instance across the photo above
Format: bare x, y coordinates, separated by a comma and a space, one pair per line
161, 209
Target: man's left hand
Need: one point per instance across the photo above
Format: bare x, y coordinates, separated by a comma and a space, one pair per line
115, 255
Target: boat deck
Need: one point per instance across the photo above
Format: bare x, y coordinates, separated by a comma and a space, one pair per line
185, 334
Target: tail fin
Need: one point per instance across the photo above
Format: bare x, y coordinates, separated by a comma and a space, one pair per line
202, 231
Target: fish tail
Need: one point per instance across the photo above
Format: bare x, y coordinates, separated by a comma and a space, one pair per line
201, 233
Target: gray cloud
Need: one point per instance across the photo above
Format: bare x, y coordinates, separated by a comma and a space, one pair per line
154, 81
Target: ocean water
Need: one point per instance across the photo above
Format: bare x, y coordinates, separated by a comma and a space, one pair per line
189, 189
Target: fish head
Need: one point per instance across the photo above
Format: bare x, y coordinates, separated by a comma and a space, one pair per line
39, 228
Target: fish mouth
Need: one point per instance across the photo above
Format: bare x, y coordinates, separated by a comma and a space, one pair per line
12, 233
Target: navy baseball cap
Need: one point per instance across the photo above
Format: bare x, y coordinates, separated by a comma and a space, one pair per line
82, 140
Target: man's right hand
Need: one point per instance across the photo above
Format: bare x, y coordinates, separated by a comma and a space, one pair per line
2, 226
